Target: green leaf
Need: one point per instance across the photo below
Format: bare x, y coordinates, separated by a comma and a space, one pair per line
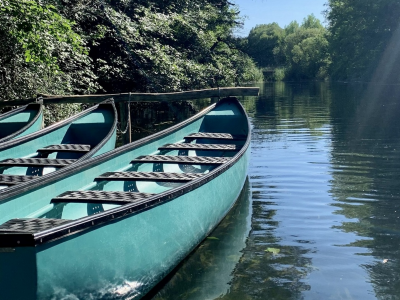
274, 251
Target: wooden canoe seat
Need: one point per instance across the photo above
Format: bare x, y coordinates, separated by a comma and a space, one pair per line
171, 159
31, 225
37, 162
216, 136
148, 176
65, 148
187, 146
14, 179
105, 197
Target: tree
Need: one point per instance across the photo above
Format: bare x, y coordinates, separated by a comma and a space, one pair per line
360, 33
311, 22
263, 42
40, 52
158, 45
301, 49
292, 27
306, 50
85, 46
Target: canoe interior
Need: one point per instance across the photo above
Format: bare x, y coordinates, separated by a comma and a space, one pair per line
152, 240
93, 128
21, 121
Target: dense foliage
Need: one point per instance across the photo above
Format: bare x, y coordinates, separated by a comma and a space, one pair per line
364, 39
263, 44
305, 49
296, 52
361, 42
40, 52
86, 46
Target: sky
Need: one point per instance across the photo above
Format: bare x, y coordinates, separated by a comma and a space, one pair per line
279, 11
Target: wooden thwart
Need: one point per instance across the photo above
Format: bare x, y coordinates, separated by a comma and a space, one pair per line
148, 176
37, 162
14, 179
30, 225
214, 136
180, 159
105, 197
65, 148
187, 146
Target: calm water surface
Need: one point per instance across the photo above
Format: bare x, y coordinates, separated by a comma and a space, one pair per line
319, 217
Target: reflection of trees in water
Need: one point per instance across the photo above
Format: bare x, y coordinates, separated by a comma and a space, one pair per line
366, 172
307, 104
268, 270
227, 266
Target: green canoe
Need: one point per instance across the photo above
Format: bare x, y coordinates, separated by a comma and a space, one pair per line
77, 138
21, 121
113, 226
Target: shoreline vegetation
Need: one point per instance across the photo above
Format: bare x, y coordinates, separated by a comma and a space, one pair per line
80, 47
61, 47
65, 47
296, 52
360, 43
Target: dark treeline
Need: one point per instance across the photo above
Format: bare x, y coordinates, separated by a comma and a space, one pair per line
92, 46
364, 39
361, 42
295, 52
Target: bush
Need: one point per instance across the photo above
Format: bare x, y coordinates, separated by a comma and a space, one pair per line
56, 112
279, 74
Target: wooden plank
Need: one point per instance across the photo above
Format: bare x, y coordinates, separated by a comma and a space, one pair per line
103, 197
148, 176
37, 162
143, 97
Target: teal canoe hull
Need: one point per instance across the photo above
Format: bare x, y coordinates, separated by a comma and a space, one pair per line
21, 121
125, 251
95, 127
91, 127
144, 249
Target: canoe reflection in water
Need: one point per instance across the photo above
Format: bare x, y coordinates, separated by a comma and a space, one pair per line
207, 272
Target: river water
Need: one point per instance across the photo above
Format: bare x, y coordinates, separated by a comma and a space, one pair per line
319, 217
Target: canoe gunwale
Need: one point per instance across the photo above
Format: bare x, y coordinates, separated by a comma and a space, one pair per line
107, 137
9, 193
34, 135
16, 111
127, 210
